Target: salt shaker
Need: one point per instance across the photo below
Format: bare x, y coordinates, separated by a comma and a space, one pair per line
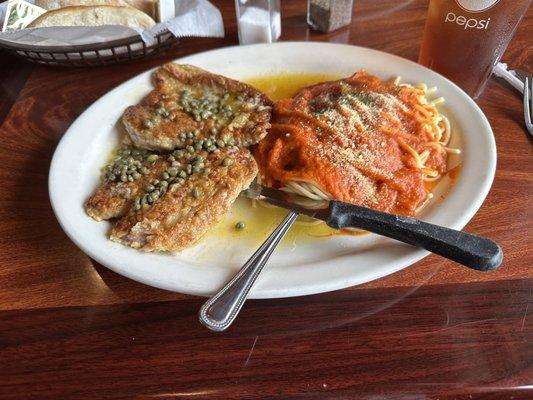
259, 21
329, 15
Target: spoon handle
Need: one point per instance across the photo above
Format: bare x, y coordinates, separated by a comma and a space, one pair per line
221, 310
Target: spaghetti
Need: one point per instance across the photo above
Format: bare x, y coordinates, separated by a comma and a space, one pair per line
360, 140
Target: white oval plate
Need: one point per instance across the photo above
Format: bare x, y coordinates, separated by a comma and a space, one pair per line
309, 267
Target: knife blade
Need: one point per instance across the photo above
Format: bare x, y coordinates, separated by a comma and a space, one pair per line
473, 251
298, 204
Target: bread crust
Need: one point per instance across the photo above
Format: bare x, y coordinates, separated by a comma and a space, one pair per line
146, 6
94, 16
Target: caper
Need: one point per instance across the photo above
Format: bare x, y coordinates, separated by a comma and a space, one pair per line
188, 169
198, 146
190, 149
154, 195
183, 136
163, 184
195, 193
220, 143
190, 135
152, 158
130, 178
207, 171
144, 170
172, 171
171, 158
111, 177
196, 132
149, 187
182, 174
211, 148
165, 175
155, 182
148, 124
226, 162
123, 178
240, 225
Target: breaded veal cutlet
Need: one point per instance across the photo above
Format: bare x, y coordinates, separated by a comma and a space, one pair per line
187, 98
182, 174
186, 211
124, 180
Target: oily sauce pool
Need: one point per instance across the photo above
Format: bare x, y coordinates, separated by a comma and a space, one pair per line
259, 219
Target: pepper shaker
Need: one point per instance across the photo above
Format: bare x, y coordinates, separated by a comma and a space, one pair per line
329, 15
259, 21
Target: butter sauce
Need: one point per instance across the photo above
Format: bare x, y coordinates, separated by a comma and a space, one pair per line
260, 220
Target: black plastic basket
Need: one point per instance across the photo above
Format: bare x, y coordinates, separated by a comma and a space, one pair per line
116, 51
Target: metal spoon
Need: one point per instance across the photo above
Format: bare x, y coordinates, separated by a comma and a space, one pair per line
221, 310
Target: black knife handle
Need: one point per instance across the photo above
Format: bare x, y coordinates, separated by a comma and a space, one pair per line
472, 251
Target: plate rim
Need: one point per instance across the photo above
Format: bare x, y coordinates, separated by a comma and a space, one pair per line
410, 258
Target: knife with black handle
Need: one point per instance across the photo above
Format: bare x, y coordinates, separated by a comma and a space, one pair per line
473, 251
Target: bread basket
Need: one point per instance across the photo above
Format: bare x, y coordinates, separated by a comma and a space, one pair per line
88, 55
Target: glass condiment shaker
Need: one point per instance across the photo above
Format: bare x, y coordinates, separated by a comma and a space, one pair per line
259, 21
329, 15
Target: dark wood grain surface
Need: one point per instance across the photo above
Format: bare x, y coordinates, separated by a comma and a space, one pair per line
70, 328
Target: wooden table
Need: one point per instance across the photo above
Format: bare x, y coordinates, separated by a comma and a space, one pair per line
70, 328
